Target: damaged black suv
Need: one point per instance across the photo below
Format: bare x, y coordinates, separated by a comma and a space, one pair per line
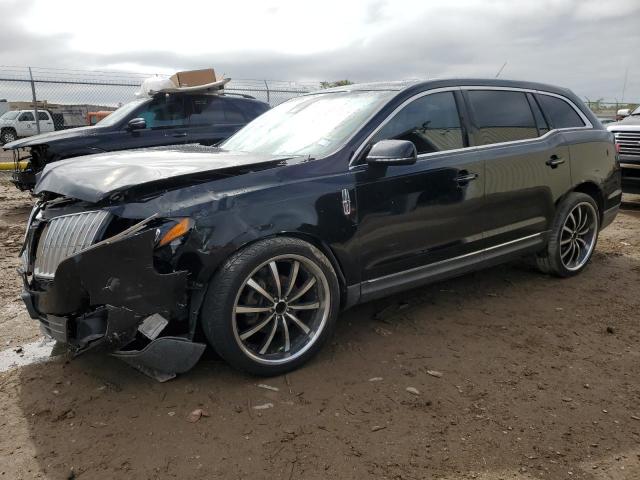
325, 201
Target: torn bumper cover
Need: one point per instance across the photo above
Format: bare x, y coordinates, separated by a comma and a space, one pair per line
100, 296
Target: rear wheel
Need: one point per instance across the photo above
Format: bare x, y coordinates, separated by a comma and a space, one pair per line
573, 236
271, 306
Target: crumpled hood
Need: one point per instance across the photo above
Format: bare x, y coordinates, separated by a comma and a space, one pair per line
94, 177
50, 137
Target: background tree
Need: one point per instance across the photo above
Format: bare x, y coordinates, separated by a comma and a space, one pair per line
337, 83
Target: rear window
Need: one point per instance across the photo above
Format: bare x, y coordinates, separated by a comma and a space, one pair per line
501, 116
559, 112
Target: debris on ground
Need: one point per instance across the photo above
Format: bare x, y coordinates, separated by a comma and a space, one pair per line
268, 387
196, 415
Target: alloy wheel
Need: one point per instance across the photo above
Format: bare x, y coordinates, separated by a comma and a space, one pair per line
281, 309
8, 137
578, 236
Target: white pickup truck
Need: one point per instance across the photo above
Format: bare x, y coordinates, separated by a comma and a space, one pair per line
15, 124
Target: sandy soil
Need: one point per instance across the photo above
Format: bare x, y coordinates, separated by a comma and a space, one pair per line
15, 207
539, 379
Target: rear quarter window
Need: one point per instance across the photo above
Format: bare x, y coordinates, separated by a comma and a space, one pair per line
559, 112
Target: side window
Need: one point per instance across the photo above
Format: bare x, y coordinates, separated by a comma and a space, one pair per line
27, 117
232, 113
211, 110
43, 116
165, 112
252, 109
501, 116
559, 112
431, 122
207, 110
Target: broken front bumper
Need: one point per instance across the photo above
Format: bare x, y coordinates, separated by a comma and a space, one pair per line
99, 297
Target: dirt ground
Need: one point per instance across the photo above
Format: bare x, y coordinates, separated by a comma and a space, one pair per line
516, 375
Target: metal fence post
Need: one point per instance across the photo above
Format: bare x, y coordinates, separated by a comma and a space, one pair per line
35, 101
266, 86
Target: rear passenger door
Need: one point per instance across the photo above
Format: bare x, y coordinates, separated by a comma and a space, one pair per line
213, 119
526, 164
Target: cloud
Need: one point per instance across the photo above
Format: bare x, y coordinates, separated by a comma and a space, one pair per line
583, 45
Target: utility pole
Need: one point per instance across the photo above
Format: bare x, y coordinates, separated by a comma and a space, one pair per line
35, 102
624, 85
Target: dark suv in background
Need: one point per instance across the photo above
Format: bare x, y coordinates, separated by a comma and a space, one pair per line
325, 201
165, 119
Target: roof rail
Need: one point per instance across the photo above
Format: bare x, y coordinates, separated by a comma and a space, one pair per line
204, 92
243, 95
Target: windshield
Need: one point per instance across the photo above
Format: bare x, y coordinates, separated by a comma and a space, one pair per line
121, 113
636, 111
9, 115
313, 125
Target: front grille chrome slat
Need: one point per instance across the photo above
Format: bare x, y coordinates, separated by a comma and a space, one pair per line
64, 236
628, 142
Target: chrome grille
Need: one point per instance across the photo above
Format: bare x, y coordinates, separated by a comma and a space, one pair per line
628, 143
65, 236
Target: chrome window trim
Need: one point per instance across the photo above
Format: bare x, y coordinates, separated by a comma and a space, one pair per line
588, 125
453, 259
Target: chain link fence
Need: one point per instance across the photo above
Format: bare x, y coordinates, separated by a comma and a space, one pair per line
603, 108
71, 94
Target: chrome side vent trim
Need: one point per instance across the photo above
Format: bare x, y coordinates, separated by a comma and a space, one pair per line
65, 236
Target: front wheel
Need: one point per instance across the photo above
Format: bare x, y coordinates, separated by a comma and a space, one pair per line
271, 306
7, 136
573, 236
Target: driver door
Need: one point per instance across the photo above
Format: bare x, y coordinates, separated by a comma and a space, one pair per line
411, 216
166, 120
26, 125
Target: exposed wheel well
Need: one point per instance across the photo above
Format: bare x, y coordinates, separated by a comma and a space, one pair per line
327, 252
594, 192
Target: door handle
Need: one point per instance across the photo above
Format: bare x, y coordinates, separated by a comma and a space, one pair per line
465, 177
179, 135
554, 161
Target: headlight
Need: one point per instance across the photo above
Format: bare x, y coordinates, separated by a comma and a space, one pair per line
173, 230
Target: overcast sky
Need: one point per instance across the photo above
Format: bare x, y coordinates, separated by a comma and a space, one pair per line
585, 45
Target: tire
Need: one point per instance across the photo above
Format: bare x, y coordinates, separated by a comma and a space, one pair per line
8, 135
268, 327
573, 237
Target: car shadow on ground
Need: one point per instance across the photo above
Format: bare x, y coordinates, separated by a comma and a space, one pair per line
510, 373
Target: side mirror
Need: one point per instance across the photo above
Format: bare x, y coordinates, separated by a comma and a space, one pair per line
392, 152
136, 124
